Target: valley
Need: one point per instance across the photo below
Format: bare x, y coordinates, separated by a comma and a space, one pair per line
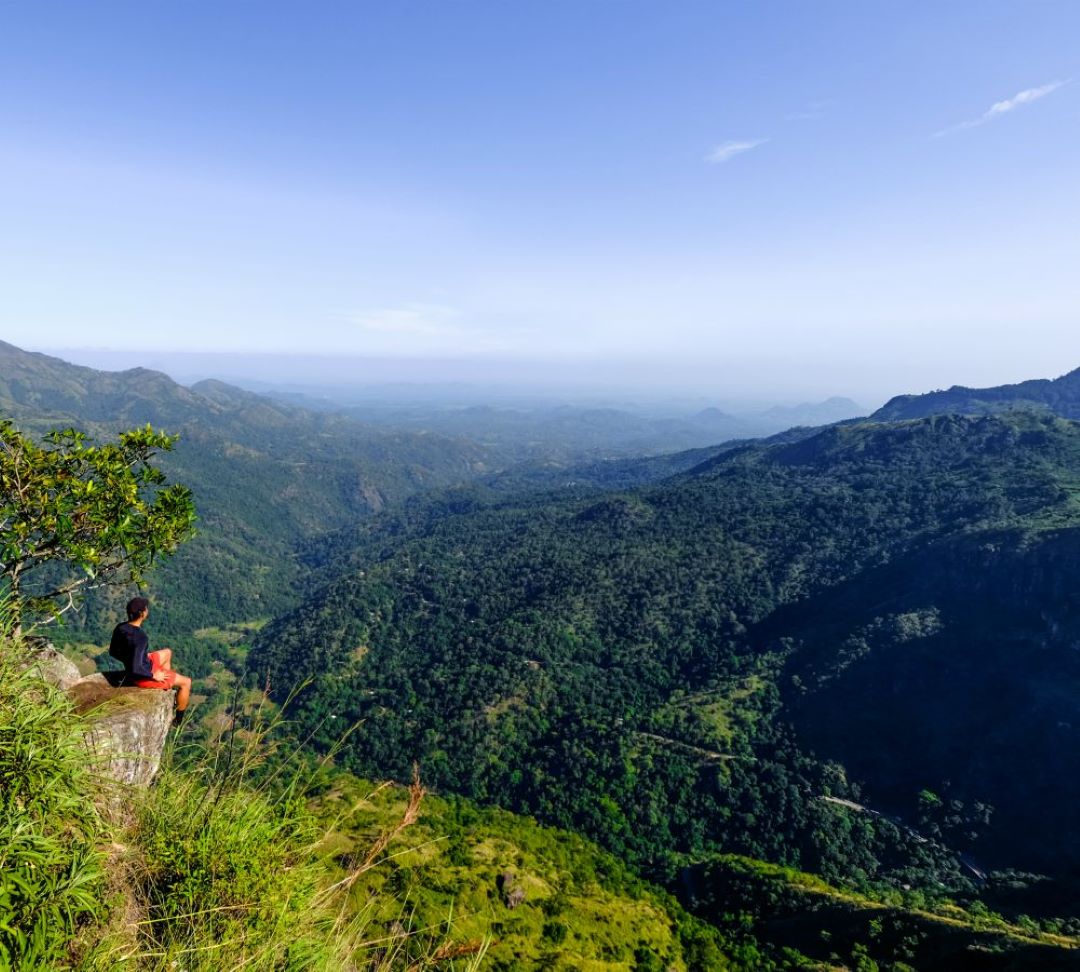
711, 664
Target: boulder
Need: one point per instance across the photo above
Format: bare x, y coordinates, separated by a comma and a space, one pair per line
127, 726
513, 893
53, 666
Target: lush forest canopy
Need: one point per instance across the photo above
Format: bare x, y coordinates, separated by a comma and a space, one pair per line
690, 667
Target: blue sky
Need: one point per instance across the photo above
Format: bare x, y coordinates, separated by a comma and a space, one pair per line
851, 196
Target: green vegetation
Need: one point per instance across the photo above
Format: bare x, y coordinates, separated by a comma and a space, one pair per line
224, 864
893, 931
548, 899
214, 867
97, 510
265, 475
51, 867
848, 653
1061, 396
539, 652
231, 861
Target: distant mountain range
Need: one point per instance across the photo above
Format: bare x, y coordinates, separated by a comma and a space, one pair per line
561, 432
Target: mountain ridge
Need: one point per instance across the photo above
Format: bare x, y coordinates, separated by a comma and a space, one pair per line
1060, 395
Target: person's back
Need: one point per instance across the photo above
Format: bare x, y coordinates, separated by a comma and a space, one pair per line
130, 646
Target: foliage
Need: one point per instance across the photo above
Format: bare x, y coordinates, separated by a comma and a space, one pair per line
266, 475
530, 650
797, 910
224, 871
213, 867
771, 654
51, 868
96, 509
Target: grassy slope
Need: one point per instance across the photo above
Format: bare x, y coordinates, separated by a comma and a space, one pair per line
582, 908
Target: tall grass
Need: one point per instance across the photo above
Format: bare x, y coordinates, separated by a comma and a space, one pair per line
215, 867
52, 876
224, 871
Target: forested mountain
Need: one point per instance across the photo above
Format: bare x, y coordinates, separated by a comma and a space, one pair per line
754, 656
264, 475
1060, 396
269, 476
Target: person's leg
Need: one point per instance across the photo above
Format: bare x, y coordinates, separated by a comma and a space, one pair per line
183, 685
161, 660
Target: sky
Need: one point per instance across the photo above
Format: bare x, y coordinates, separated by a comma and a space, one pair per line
819, 197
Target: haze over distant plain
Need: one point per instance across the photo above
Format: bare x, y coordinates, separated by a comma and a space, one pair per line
790, 200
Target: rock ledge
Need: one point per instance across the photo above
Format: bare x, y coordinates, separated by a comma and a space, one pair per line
127, 730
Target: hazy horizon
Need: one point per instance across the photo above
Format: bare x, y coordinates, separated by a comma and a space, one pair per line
491, 379
747, 384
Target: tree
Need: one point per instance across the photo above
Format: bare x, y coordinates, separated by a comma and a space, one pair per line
75, 515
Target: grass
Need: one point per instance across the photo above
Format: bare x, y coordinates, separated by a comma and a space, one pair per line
223, 872
215, 867
582, 908
52, 873
714, 717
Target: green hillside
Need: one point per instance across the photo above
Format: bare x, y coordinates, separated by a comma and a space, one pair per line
840, 928
548, 899
265, 476
542, 898
644, 666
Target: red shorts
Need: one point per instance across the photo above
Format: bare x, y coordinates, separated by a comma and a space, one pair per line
155, 663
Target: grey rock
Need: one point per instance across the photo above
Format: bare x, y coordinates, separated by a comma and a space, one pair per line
53, 666
127, 727
512, 892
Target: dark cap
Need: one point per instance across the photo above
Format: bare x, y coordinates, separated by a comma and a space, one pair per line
136, 606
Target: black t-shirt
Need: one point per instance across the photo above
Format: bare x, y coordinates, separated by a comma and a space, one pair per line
129, 646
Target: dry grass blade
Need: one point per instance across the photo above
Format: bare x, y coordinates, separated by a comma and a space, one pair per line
450, 951
408, 818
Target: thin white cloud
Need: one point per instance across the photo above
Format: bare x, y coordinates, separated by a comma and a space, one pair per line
728, 150
1023, 98
999, 108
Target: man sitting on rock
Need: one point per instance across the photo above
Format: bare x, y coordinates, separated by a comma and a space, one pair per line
144, 668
